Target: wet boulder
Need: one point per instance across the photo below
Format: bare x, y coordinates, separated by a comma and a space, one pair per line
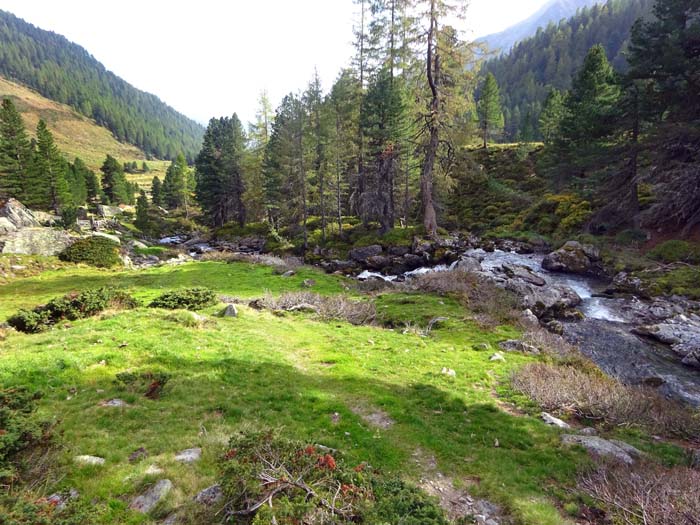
544, 301
574, 257
681, 333
525, 273
467, 264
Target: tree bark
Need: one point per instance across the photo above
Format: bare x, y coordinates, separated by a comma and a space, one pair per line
426, 179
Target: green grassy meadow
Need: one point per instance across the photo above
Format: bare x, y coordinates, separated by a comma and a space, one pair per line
315, 380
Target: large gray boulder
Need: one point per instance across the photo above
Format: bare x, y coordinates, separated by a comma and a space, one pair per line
617, 450
36, 241
544, 300
108, 212
467, 264
574, 257
517, 271
147, 501
14, 216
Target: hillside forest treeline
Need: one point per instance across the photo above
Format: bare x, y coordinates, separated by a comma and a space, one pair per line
389, 143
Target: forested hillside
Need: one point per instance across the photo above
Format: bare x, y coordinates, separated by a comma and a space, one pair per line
551, 13
552, 57
67, 73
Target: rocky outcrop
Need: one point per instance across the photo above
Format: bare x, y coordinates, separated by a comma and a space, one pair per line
36, 241
363, 253
516, 271
14, 216
681, 333
108, 212
544, 301
467, 264
574, 257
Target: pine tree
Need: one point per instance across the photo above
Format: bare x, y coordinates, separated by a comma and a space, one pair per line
258, 137
49, 168
174, 190
76, 177
313, 106
156, 191
144, 167
591, 103
92, 184
219, 178
489, 109
552, 115
142, 220
15, 153
114, 184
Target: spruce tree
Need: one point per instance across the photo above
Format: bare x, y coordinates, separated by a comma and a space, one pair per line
219, 178
552, 115
76, 177
114, 184
489, 109
174, 190
142, 221
156, 191
50, 190
15, 153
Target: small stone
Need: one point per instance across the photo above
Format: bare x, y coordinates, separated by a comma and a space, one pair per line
230, 311
149, 499
448, 372
610, 448
335, 418
120, 403
498, 356
554, 421
309, 283
695, 459
189, 455
153, 470
60, 499
138, 454
210, 495
481, 346
289, 273
588, 431
89, 460
514, 345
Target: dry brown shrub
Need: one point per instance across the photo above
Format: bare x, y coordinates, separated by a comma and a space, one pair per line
591, 395
326, 307
477, 293
646, 493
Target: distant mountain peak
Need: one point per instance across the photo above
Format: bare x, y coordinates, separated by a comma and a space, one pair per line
552, 12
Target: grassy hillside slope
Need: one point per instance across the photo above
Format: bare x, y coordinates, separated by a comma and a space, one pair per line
75, 134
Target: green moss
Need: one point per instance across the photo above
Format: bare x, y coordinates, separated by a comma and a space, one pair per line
678, 281
676, 251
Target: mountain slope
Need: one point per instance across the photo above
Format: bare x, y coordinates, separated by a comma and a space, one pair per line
65, 72
553, 56
552, 12
75, 134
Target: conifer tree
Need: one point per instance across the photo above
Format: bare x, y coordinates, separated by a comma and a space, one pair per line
76, 177
219, 177
50, 190
142, 212
552, 115
15, 153
156, 191
114, 184
489, 109
174, 189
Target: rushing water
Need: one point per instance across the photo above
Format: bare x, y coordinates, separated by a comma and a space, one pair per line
605, 334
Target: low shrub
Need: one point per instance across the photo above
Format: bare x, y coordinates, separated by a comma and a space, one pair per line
326, 307
18, 426
186, 299
28, 511
590, 395
475, 292
270, 479
95, 251
676, 251
73, 306
645, 493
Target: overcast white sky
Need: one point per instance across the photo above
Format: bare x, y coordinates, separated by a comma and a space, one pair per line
210, 58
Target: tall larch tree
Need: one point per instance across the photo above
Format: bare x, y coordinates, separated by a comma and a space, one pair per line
175, 191
49, 169
114, 184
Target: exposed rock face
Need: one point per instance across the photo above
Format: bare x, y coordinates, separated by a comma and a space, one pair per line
14, 216
210, 495
614, 449
627, 284
36, 241
681, 333
574, 257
